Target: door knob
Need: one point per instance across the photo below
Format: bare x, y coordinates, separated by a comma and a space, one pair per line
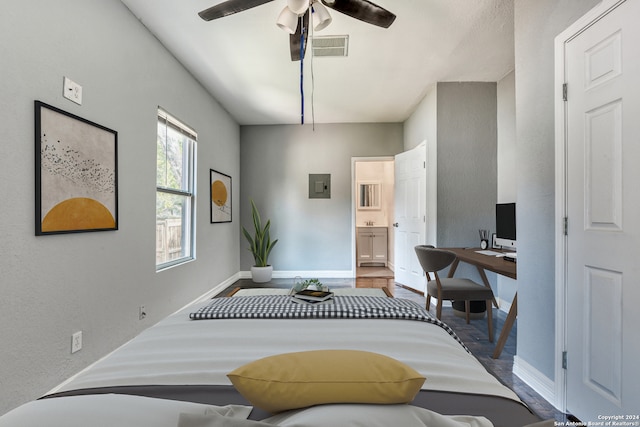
395, 224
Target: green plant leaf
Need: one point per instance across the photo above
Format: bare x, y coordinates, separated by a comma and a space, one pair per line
260, 244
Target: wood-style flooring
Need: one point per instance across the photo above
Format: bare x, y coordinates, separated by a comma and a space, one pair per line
474, 335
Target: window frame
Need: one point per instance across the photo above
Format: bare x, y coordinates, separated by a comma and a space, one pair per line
188, 167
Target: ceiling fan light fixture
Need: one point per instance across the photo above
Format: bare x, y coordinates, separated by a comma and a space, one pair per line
321, 16
288, 21
299, 7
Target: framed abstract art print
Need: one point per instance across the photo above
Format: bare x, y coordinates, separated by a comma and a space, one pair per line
76, 165
220, 197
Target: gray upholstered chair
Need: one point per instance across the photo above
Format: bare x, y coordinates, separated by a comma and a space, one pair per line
433, 260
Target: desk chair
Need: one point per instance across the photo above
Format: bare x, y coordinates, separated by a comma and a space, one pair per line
433, 260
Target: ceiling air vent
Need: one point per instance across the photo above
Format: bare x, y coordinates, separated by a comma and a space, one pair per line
330, 46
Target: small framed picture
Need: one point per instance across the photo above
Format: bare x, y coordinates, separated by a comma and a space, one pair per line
494, 245
220, 197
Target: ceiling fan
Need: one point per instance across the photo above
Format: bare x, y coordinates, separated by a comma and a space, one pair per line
294, 18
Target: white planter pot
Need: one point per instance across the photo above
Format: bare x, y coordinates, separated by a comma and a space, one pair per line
261, 274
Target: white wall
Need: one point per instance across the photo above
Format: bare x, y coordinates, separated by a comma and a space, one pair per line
53, 286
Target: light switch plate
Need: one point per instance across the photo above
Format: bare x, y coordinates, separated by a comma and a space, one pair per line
72, 91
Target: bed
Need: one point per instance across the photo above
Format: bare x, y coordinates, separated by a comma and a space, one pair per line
184, 371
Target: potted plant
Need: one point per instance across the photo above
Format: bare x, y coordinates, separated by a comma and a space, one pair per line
313, 284
260, 245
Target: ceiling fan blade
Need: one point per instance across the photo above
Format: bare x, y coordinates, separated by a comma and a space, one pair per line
296, 39
229, 7
363, 10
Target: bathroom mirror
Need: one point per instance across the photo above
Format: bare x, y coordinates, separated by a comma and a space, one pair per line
369, 195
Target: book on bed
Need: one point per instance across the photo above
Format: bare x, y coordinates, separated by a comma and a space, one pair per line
313, 295
307, 302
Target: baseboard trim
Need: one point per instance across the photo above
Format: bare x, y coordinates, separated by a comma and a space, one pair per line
540, 383
320, 274
216, 289
504, 305
415, 291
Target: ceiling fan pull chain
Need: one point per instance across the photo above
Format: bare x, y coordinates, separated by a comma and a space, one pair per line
313, 81
302, 70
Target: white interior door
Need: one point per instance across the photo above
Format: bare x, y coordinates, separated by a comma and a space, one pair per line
602, 67
410, 226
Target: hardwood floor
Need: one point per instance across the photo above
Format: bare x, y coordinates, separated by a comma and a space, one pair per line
474, 335
375, 277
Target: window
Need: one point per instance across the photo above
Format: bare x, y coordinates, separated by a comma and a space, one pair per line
175, 191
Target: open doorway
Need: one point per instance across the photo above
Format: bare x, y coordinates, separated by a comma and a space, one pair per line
373, 214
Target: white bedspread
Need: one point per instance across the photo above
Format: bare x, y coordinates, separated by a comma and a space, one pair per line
182, 351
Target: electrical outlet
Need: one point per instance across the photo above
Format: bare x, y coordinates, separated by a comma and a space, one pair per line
76, 342
142, 312
72, 91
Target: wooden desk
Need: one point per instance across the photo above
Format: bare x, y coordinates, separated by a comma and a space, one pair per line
497, 265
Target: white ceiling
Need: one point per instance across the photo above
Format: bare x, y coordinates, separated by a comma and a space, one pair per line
243, 59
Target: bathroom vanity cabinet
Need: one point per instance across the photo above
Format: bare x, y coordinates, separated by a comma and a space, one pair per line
372, 246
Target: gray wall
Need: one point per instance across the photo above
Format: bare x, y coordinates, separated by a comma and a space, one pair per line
315, 234
423, 125
537, 23
53, 286
459, 120
467, 157
507, 167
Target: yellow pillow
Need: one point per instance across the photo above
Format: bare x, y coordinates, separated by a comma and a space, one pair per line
298, 380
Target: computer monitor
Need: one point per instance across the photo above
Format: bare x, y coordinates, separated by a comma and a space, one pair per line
506, 225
